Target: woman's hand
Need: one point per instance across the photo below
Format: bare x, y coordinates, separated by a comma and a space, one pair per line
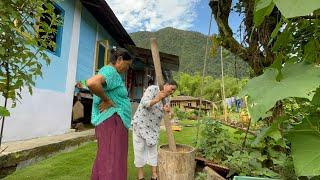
161, 95
105, 105
167, 108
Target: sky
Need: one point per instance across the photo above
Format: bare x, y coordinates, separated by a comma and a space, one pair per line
152, 15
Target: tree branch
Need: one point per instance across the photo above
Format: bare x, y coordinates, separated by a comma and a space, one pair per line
258, 53
6, 98
221, 10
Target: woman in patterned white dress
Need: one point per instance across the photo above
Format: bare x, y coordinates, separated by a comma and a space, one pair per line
146, 126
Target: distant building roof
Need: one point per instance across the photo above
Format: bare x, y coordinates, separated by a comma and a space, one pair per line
190, 98
183, 98
187, 98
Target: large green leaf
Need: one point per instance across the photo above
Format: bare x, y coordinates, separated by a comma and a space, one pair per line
271, 131
282, 40
316, 98
2, 50
261, 4
311, 51
277, 64
294, 8
305, 147
263, 8
298, 80
275, 31
4, 111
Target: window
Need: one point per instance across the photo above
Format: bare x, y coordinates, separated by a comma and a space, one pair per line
102, 54
55, 37
173, 104
189, 104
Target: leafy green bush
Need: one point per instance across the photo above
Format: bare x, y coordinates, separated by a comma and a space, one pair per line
266, 158
179, 114
190, 85
248, 163
201, 176
214, 143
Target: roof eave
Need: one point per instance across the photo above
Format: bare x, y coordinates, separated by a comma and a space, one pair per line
105, 16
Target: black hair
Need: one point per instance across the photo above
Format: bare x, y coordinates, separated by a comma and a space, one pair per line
172, 82
120, 52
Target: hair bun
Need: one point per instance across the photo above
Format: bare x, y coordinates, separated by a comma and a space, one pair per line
117, 52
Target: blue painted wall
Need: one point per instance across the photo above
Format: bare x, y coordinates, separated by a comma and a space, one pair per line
86, 51
89, 28
104, 35
55, 75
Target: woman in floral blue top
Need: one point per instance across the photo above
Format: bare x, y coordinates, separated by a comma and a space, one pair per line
111, 114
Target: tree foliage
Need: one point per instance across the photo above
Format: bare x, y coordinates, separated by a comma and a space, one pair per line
22, 49
262, 22
190, 85
281, 44
259, 160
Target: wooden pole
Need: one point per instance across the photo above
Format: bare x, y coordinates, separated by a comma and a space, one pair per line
202, 79
222, 84
157, 67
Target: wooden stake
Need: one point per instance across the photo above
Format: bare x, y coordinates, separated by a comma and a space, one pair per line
223, 92
157, 67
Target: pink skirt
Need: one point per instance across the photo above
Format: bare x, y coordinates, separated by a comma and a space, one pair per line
112, 153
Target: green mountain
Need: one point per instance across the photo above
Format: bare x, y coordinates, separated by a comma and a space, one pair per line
190, 47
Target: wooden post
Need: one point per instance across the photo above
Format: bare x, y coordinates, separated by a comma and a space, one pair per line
158, 71
222, 84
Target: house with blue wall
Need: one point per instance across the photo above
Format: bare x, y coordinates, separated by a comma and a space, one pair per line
90, 29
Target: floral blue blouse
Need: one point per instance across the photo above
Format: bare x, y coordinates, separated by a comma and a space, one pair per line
146, 121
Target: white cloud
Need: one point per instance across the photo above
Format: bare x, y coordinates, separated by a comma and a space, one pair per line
151, 15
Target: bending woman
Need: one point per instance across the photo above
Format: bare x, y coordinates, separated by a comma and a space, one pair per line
146, 126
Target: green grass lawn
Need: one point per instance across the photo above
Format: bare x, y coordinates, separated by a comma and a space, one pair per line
78, 163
